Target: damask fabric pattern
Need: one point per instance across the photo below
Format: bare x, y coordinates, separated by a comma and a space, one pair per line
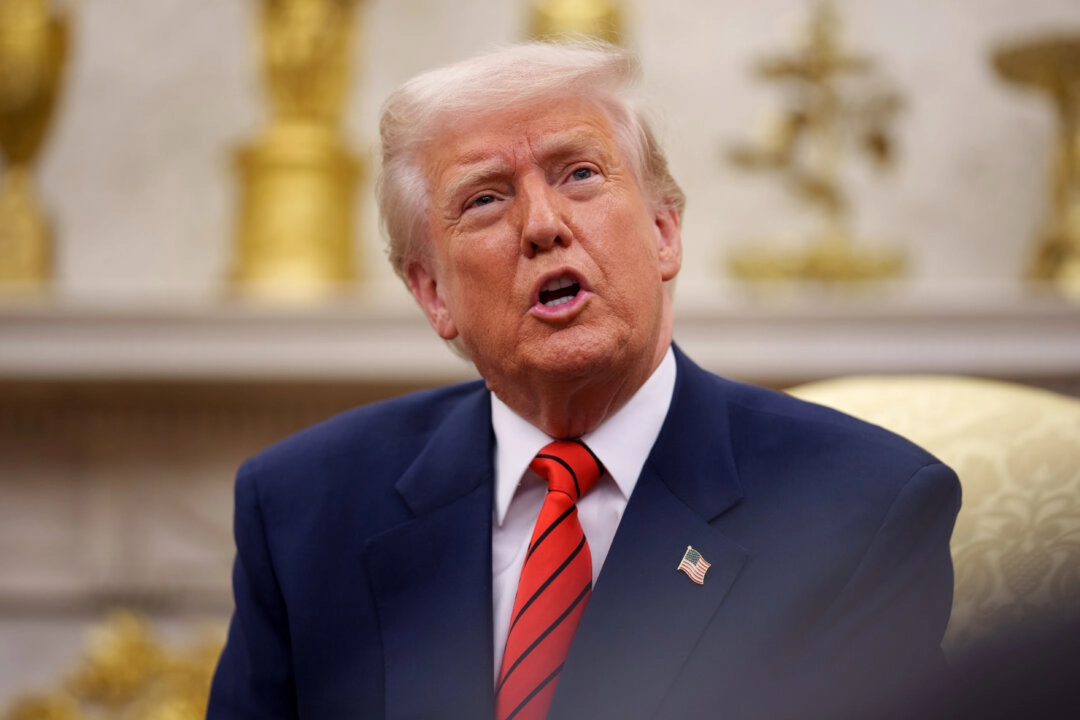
1016, 546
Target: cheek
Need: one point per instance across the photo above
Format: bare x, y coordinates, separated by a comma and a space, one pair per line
483, 272
631, 242
480, 248
483, 284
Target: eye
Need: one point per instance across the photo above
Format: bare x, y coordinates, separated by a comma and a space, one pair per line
582, 173
482, 200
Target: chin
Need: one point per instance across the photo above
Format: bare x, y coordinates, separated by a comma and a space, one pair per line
571, 357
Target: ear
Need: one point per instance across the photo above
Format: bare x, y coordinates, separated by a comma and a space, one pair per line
424, 286
669, 232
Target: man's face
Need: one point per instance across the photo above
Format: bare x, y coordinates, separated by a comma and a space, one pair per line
548, 260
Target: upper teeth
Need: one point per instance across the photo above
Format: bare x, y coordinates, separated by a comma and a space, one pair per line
559, 284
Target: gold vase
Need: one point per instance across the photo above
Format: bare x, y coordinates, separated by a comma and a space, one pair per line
33, 50
1052, 64
298, 177
554, 18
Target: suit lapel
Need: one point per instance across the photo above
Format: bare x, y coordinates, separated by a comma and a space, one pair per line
645, 617
432, 576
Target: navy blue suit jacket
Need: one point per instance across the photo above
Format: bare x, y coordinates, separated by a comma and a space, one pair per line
363, 570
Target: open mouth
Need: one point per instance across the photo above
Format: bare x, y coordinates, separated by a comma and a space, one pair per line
559, 291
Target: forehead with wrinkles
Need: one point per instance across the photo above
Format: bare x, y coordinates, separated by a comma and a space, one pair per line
469, 150
492, 146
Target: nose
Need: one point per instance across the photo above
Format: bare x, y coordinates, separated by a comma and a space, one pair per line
542, 226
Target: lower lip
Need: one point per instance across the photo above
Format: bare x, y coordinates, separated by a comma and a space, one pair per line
558, 312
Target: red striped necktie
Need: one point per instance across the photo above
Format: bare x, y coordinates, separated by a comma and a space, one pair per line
556, 580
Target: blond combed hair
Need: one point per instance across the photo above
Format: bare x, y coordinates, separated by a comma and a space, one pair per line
515, 76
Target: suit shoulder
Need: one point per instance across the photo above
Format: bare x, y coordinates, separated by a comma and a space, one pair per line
776, 418
810, 471
396, 426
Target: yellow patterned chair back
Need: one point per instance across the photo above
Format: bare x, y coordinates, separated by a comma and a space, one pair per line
1016, 547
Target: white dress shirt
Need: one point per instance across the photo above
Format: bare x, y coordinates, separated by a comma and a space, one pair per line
622, 442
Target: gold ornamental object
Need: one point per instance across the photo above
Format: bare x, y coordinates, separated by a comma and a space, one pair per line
828, 118
299, 177
551, 19
33, 53
1052, 64
126, 673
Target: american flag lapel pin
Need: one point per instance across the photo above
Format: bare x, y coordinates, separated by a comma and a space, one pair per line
694, 565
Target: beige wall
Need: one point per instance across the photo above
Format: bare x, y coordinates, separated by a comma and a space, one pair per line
138, 171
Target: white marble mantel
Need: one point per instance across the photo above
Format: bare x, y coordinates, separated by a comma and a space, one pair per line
796, 336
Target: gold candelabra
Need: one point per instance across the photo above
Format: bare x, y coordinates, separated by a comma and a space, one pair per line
551, 19
1052, 64
33, 54
807, 147
299, 178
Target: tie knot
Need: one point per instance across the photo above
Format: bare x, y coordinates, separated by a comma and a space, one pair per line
569, 466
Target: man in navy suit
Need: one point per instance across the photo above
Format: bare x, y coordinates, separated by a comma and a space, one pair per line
531, 213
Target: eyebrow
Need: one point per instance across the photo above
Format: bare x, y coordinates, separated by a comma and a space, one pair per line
478, 173
565, 145
481, 169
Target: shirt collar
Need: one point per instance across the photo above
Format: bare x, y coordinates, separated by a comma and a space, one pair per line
622, 442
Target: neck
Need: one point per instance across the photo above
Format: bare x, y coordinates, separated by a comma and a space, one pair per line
570, 408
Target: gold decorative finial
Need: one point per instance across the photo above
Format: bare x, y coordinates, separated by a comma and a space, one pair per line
552, 19
807, 145
1052, 64
33, 54
299, 178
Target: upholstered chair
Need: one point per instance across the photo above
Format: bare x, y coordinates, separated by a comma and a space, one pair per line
1016, 547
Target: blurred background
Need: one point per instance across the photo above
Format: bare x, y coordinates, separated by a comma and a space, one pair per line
191, 265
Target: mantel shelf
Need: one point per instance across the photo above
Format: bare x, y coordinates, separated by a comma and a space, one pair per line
770, 341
